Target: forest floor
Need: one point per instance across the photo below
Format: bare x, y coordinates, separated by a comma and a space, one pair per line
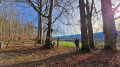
62, 56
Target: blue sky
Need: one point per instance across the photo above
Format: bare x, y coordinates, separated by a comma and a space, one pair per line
31, 15
62, 29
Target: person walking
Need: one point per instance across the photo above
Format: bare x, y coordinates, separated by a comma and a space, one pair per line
77, 44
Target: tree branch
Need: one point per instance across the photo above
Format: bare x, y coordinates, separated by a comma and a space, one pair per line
31, 3
59, 14
92, 7
87, 7
116, 8
57, 17
117, 18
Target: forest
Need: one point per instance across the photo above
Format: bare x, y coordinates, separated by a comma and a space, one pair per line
59, 33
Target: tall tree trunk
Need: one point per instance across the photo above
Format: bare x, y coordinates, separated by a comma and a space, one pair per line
50, 25
17, 30
23, 31
84, 36
2, 29
109, 28
40, 23
90, 33
38, 35
89, 23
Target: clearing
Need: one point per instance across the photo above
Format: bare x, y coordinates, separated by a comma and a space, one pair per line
62, 56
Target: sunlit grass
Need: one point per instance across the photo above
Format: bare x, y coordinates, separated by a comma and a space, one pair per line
14, 54
67, 43
20, 60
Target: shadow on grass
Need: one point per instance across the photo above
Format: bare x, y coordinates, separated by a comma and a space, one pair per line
54, 59
26, 51
103, 58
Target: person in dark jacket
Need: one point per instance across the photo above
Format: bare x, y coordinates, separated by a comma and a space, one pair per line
77, 44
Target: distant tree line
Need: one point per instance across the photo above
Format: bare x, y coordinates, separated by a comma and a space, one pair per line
10, 24
46, 20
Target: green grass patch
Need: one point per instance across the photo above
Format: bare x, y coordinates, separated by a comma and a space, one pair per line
67, 43
14, 54
20, 60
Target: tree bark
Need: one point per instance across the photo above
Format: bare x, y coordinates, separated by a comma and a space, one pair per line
109, 28
58, 41
84, 36
40, 22
90, 33
89, 23
50, 25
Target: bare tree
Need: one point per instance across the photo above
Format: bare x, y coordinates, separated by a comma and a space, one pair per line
10, 25
89, 10
109, 28
40, 22
50, 25
84, 36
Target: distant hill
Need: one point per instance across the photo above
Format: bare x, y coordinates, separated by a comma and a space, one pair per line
97, 36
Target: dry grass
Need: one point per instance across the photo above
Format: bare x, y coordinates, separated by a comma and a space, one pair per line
31, 56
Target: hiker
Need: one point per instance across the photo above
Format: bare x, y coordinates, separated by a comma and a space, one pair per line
77, 44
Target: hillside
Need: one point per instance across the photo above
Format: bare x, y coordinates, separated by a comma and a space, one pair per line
97, 37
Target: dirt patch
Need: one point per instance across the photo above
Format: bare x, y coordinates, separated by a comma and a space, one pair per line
31, 56
17, 54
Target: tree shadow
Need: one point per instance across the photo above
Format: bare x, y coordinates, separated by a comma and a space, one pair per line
104, 58
25, 51
49, 60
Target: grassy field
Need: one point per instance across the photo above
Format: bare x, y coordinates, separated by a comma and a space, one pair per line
67, 43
